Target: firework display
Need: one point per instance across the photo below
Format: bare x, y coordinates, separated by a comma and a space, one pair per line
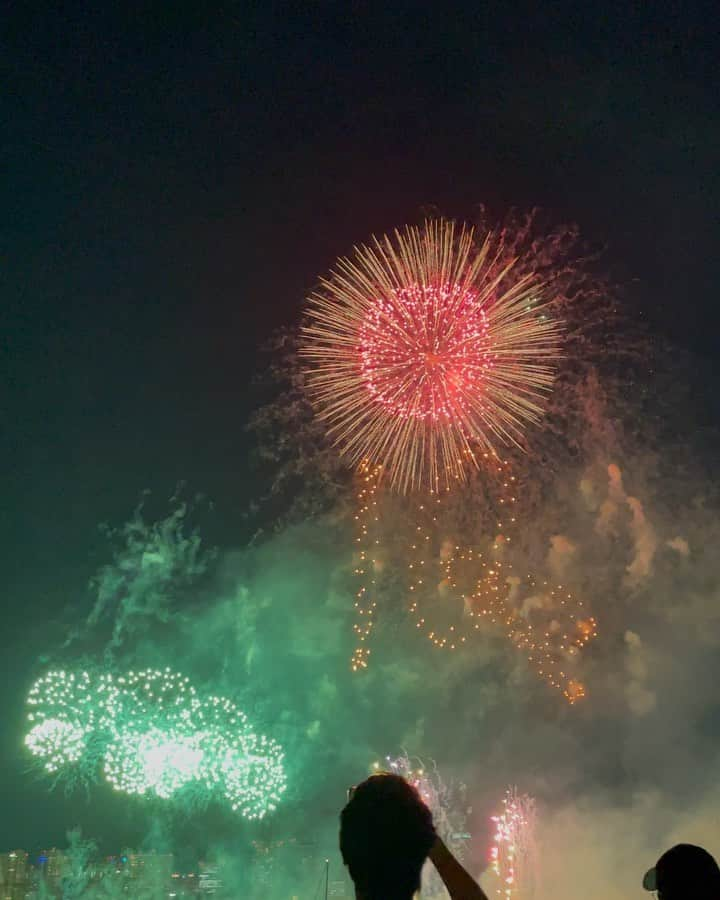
455, 591
424, 350
426, 357
513, 856
422, 353
153, 735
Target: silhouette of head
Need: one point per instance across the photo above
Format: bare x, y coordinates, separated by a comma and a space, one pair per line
685, 872
386, 833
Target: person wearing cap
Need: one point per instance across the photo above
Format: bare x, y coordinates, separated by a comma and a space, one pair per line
685, 872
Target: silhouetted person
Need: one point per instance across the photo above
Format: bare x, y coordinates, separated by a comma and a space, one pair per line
685, 872
386, 834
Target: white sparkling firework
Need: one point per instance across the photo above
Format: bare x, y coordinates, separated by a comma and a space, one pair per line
154, 736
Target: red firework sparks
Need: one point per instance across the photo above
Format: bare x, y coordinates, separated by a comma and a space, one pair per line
425, 348
425, 352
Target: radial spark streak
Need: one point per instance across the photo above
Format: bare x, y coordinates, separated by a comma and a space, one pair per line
424, 350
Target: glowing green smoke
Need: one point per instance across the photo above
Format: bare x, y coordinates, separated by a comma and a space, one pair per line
155, 736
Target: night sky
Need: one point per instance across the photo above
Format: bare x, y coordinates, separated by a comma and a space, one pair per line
173, 182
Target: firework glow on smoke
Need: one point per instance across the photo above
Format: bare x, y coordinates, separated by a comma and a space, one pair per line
471, 589
425, 349
153, 735
513, 855
421, 353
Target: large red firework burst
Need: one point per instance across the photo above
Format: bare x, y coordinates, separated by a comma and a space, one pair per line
423, 350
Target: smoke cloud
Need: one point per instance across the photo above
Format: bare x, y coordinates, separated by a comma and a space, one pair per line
618, 777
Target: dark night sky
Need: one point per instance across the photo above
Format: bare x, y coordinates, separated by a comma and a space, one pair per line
173, 182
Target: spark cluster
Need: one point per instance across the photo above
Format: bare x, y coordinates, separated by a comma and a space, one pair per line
154, 736
365, 601
552, 646
473, 587
513, 855
486, 573
426, 348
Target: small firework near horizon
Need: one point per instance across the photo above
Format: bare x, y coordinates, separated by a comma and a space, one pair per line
425, 350
151, 734
514, 855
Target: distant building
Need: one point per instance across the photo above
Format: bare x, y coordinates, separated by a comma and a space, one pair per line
149, 867
14, 875
186, 885
50, 874
209, 881
52, 865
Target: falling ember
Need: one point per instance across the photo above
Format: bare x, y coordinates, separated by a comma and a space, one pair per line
365, 601
424, 350
548, 635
